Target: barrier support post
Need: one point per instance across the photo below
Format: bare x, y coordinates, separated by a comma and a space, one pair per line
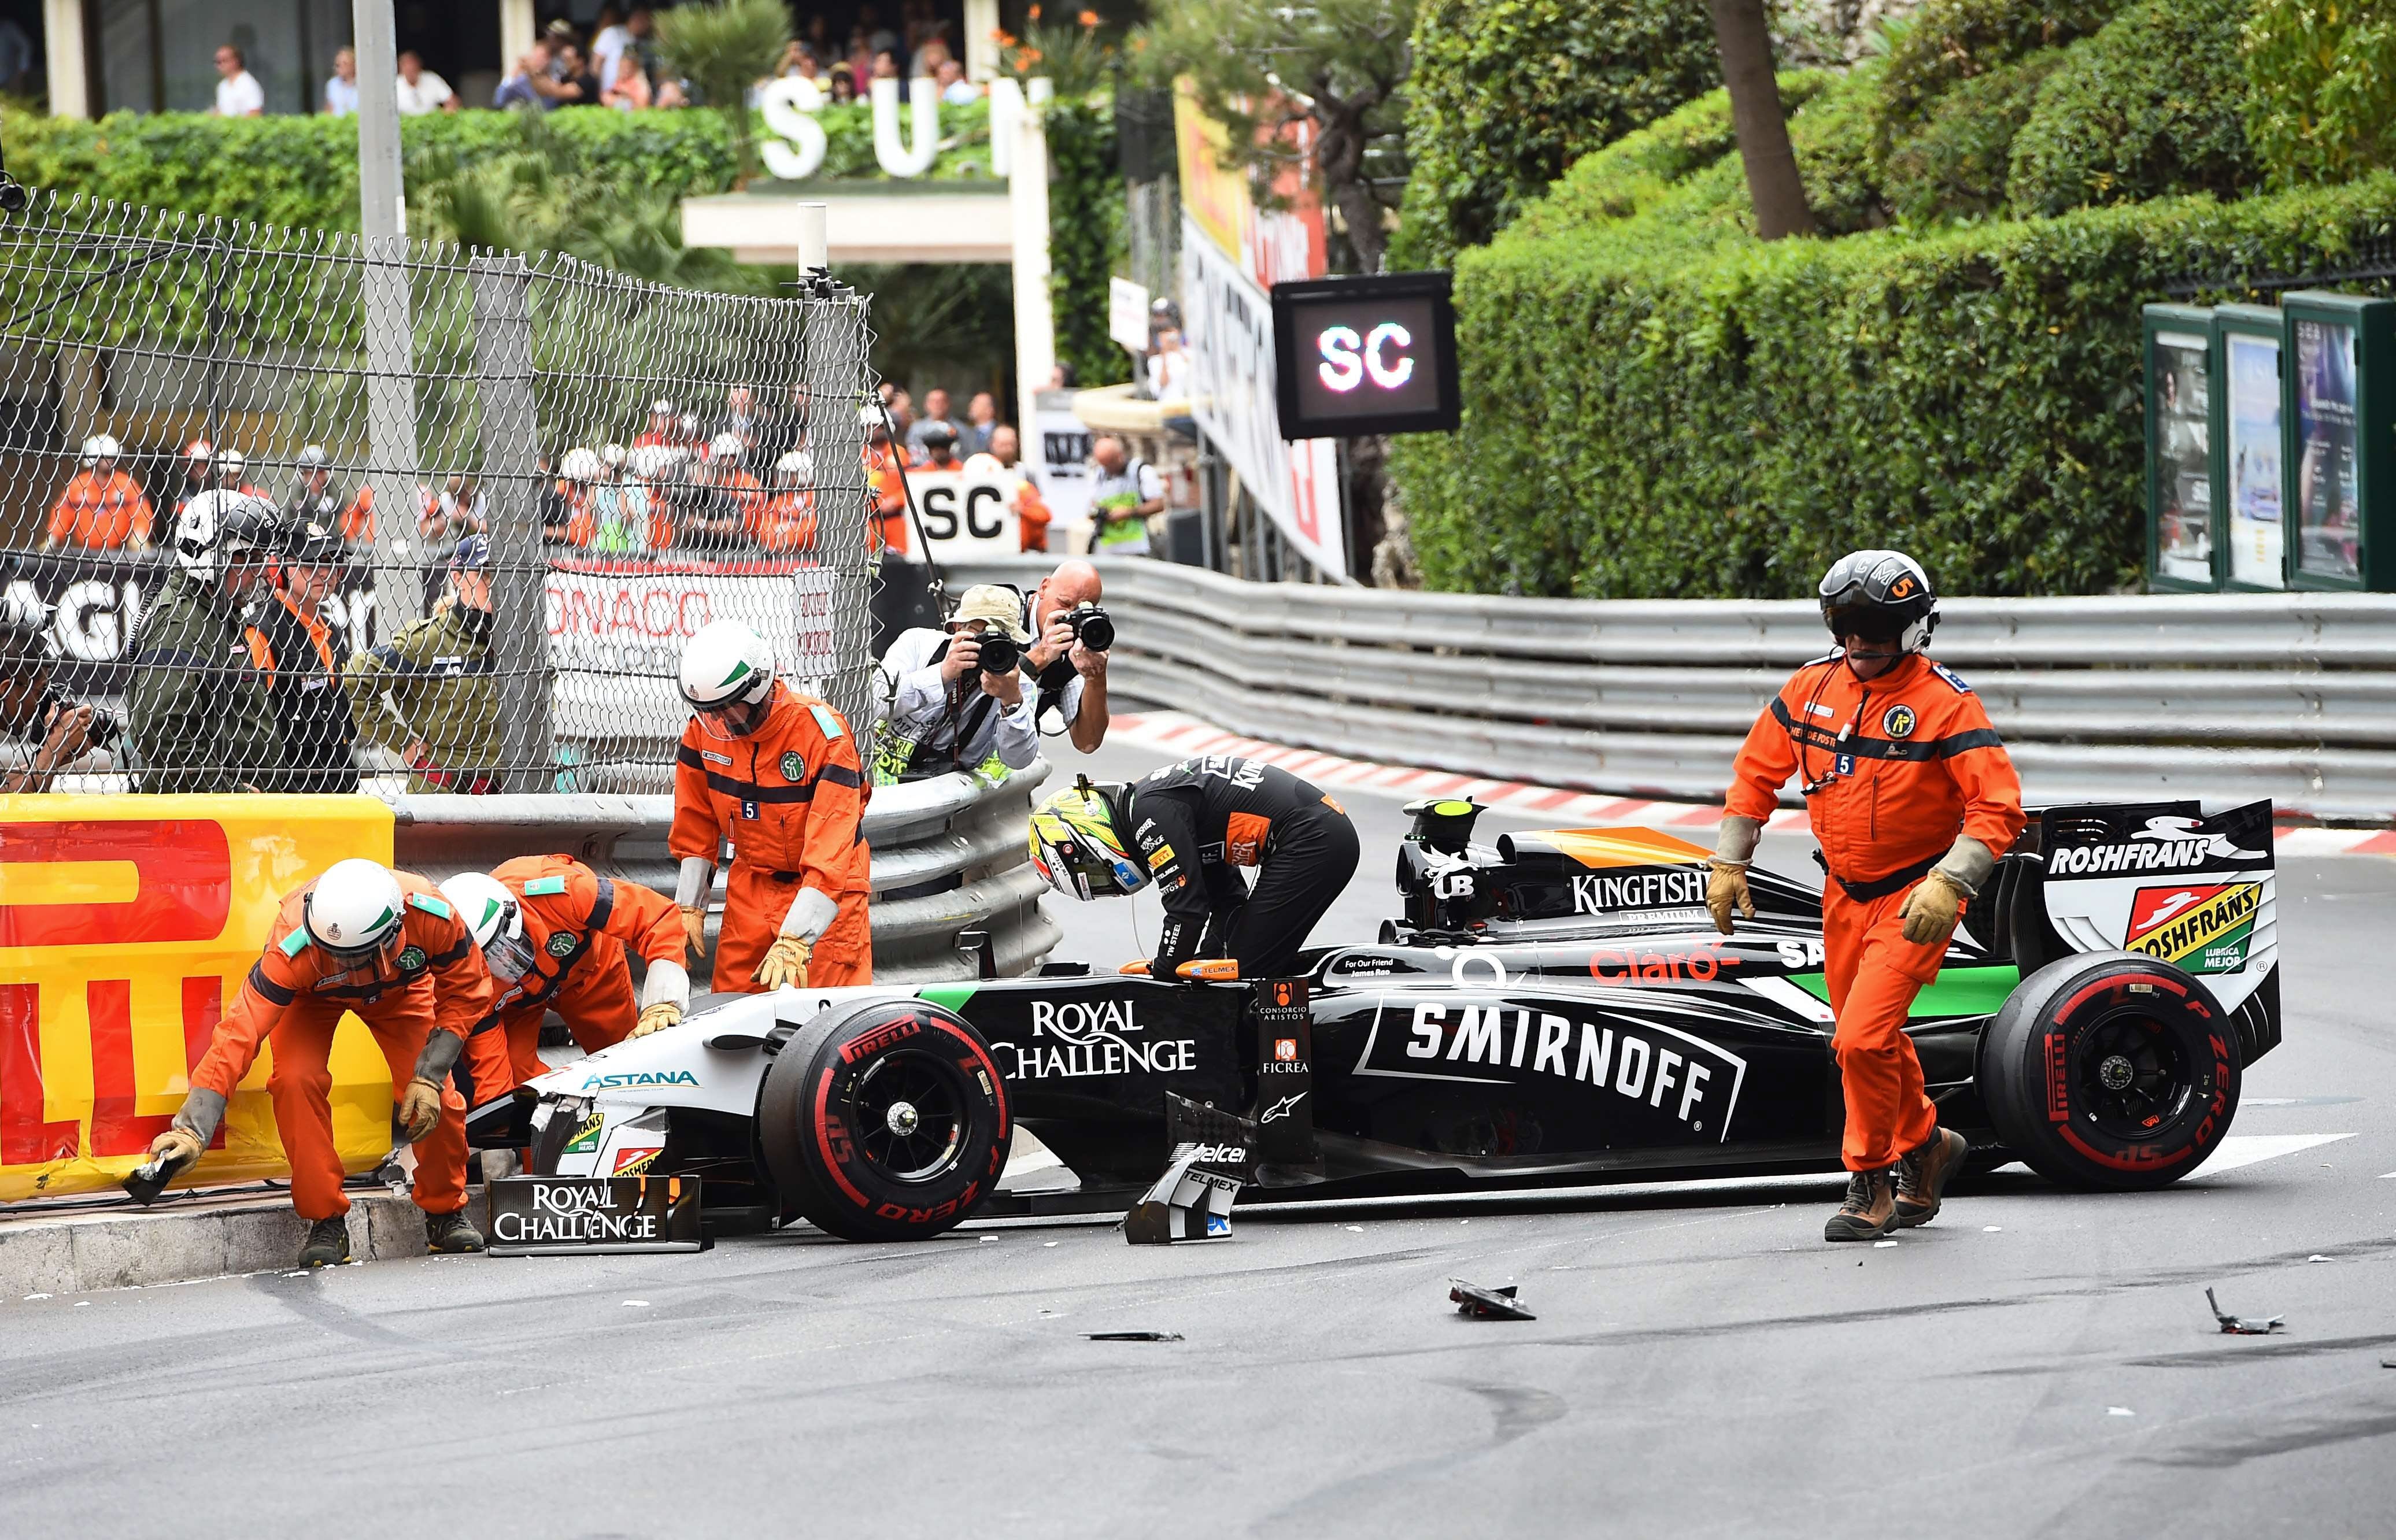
519, 620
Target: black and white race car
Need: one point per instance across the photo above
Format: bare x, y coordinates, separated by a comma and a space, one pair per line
1553, 1008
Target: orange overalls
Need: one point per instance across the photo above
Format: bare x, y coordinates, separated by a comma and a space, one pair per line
887, 484
1031, 516
576, 925
791, 797
1894, 769
297, 992
357, 520
786, 524
98, 513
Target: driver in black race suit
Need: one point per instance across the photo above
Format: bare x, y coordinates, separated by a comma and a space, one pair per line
1189, 826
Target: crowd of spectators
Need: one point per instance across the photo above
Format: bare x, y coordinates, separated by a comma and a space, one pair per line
615, 63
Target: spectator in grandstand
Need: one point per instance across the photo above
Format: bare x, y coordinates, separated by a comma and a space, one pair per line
981, 418
643, 51
778, 432
955, 90
886, 485
690, 435
293, 646
198, 457
315, 500
886, 67
1168, 368
619, 505
232, 475
786, 524
1068, 672
842, 89
421, 92
578, 86
427, 695
568, 517
936, 414
740, 417
609, 41
554, 501
200, 717
528, 84
239, 93
102, 509
44, 733
444, 518
728, 499
342, 87
655, 471
1124, 494
629, 92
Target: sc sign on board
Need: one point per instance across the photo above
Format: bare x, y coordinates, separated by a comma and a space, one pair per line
1365, 355
967, 516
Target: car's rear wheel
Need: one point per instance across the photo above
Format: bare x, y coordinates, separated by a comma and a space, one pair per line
885, 1120
2110, 1071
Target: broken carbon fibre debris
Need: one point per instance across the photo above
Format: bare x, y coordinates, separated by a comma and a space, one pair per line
1480, 1304
2241, 1325
1133, 1336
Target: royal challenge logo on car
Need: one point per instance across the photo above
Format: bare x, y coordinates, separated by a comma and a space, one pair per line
1074, 1039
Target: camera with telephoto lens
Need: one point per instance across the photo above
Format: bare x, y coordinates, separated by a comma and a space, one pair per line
104, 732
1000, 652
1093, 627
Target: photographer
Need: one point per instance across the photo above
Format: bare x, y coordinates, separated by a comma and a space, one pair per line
956, 701
44, 734
1068, 663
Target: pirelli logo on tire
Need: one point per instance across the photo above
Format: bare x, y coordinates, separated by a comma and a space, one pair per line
2202, 928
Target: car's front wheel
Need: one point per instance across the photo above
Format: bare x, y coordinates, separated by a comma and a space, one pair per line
885, 1120
2110, 1069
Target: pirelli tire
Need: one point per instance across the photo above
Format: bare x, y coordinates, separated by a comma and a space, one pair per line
2110, 1071
884, 1120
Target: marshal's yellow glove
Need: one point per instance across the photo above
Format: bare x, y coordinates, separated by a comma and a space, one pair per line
419, 1108
657, 1018
178, 1143
1930, 909
786, 962
694, 931
1726, 888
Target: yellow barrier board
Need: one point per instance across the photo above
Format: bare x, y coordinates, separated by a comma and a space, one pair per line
127, 925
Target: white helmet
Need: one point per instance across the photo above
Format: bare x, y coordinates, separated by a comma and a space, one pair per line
231, 463
495, 917
795, 469
984, 463
612, 454
100, 446
651, 461
579, 465
355, 909
725, 663
725, 447
217, 523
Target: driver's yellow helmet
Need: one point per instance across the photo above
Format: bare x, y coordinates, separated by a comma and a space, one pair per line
1076, 848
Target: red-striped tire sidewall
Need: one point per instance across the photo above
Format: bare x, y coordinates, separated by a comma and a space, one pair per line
2026, 1082
804, 1117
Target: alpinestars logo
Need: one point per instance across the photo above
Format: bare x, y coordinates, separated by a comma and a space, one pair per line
2204, 930
2167, 843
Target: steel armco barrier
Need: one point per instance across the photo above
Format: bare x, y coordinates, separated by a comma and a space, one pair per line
2224, 698
953, 834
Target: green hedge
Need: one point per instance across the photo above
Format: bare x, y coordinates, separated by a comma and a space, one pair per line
1956, 162
1949, 42
1505, 94
2148, 107
1648, 414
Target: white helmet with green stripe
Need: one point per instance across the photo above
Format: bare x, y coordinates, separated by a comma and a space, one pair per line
726, 663
354, 909
496, 919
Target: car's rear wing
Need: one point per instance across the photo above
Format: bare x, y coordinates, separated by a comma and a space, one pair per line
2163, 879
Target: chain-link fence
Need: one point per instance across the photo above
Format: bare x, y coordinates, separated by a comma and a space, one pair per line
493, 495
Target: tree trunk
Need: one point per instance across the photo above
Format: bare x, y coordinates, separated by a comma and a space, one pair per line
1339, 161
1743, 37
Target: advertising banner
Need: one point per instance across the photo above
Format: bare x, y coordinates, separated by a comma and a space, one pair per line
2252, 458
126, 926
2183, 457
1229, 323
2329, 501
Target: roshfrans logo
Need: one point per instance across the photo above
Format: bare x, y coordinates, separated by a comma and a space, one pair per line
636, 1079
2204, 930
2167, 842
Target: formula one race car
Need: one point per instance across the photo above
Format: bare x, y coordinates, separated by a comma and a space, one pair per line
1551, 1009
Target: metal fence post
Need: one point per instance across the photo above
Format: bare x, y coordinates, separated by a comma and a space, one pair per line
838, 383
510, 471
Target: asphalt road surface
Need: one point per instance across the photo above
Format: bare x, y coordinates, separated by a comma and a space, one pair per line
2033, 1363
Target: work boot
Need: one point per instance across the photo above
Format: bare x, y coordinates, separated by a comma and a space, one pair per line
328, 1243
1870, 1211
1922, 1175
451, 1232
